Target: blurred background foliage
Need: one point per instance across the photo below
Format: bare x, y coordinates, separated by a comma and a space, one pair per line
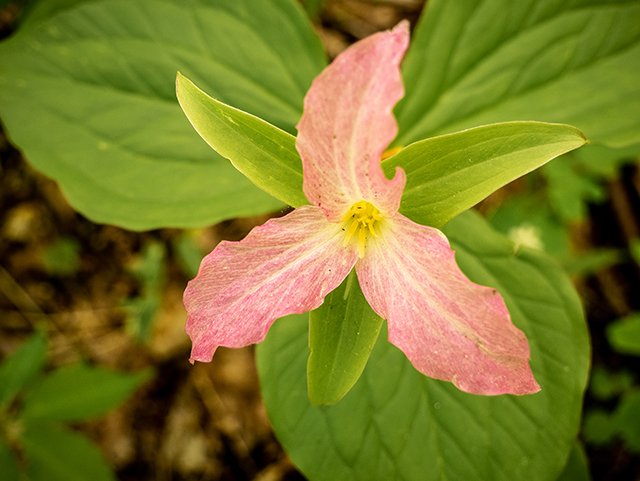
107, 303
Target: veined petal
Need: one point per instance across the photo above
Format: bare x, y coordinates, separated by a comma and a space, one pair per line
347, 124
448, 327
286, 266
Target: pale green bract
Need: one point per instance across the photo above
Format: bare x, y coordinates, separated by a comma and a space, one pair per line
445, 175
449, 174
261, 151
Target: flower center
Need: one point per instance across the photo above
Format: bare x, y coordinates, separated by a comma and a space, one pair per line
364, 217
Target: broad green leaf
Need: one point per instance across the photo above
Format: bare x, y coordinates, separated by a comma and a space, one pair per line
78, 392
447, 175
475, 62
342, 332
37, 10
397, 424
88, 94
624, 335
577, 467
22, 366
9, 466
262, 152
57, 454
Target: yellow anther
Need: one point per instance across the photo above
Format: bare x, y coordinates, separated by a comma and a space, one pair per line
364, 216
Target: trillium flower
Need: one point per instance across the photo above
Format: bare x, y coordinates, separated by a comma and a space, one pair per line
448, 327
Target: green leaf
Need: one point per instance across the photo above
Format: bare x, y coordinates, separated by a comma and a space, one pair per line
313, 7
22, 366
605, 161
634, 248
624, 335
57, 454
8, 463
262, 152
396, 423
78, 392
36, 10
577, 467
149, 269
141, 313
62, 257
569, 190
605, 385
88, 94
594, 260
627, 420
476, 62
449, 174
188, 253
598, 428
342, 332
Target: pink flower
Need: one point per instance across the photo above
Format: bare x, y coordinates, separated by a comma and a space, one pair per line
448, 327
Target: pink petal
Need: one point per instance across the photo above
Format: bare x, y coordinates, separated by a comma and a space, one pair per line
286, 266
448, 327
347, 124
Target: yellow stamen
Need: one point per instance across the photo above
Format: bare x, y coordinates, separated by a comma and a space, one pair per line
352, 230
370, 224
364, 216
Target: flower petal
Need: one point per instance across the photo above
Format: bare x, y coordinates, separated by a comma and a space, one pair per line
286, 266
448, 327
347, 124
